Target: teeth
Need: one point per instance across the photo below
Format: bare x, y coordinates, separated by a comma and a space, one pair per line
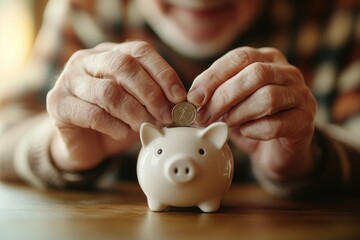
198, 4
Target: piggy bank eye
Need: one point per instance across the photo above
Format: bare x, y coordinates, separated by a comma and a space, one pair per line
159, 151
201, 151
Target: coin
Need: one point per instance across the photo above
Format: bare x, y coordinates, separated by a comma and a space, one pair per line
183, 114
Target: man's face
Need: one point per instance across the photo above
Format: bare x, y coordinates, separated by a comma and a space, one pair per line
199, 28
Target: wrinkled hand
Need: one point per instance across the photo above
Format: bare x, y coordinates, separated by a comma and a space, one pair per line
266, 103
102, 97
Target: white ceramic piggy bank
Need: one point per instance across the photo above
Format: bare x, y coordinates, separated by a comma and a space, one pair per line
185, 166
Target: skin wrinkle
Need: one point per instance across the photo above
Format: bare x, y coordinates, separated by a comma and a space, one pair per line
150, 61
223, 97
122, 68
141, 49
302, 160
110, 95
241, 75
242, 58
267, 124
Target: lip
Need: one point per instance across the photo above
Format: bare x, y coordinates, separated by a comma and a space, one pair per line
198, 4
200, 12
205, 14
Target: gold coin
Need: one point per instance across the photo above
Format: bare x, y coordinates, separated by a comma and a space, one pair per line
184, 114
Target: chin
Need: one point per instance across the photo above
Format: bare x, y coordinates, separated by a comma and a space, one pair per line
198, 41
192, 48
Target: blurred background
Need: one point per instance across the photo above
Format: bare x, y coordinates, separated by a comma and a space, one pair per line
19, 22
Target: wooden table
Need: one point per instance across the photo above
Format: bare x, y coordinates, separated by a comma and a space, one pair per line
121, 212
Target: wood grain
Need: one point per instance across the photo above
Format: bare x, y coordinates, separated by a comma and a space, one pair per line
247, 212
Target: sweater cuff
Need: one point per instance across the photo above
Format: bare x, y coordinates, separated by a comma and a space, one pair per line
34, 164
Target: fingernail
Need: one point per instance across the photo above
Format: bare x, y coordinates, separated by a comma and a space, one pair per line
196, 96
165, 114
178, 92
203, 115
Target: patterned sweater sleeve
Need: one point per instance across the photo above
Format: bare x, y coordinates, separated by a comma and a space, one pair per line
336, 154
335, 83
25, 129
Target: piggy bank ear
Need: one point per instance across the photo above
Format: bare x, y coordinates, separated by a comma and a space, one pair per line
148, 133
216, 133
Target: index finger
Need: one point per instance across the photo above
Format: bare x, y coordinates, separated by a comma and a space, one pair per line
221, 70
159, 70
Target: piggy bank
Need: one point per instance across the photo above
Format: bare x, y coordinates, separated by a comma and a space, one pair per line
184, 166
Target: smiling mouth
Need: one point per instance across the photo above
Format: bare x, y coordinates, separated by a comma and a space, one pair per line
199, 4
199, 21
202, 12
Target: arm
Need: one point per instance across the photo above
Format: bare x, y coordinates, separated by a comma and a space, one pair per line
26, 131
336, 154
94, 109
271, 112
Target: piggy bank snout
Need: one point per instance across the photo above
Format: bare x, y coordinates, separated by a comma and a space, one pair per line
181, 170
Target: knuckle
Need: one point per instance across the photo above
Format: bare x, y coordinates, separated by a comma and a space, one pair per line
64, 80
95, 116
78, 56
122, 61
51, 99
270, 99
261, 130
223, 97
50, 96
269, 131
262, 72
275, 52
109, 92
123, 134
141, 48
103, 45
311, 103
60, 111
122, 64
210, 78
278, 54
152, 95
166, 75
55, 98
243, 54
296, 73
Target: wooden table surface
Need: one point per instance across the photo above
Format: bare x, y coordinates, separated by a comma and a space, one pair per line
121, 212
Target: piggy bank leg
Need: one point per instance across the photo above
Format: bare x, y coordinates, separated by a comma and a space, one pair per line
155, 205
211, 205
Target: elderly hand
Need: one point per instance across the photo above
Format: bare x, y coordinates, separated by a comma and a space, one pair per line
266, 103
102, 97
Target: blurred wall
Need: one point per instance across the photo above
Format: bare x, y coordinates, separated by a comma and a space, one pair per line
19, 22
